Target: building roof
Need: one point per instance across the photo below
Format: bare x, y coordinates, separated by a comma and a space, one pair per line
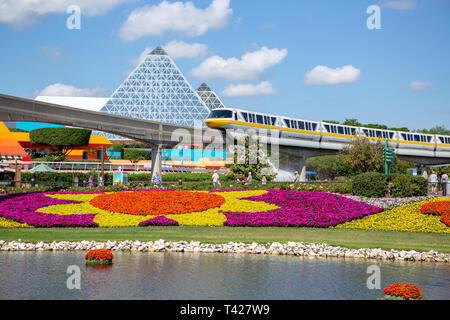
86, 103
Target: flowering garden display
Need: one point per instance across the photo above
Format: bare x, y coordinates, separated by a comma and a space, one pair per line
250, 208
441, 208
402, 291
99, 256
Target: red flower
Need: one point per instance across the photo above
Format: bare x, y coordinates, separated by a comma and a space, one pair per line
99, 254
404, 290
441, 207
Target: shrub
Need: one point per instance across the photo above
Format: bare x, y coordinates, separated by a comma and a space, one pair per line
409, 186
136, 154
62, 138
370, 184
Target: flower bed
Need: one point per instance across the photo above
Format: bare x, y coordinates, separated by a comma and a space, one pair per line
441, 208
99, 256
22, 208
155, 203
302, 209
255, 208
159, 222
403, 291
389, 203
406, 218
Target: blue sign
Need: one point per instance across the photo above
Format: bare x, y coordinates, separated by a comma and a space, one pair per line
414, 172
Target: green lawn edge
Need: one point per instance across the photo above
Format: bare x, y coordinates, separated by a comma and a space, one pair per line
349, 238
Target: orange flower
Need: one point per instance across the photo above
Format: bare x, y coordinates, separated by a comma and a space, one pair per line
441, 207
156, 203
99, 254
404, 290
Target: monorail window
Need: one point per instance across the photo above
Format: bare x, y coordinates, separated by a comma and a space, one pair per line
301, 125
274, 121
221, 114
314, 126
288, 123
445, 140
340, 130
245, 116
259, 119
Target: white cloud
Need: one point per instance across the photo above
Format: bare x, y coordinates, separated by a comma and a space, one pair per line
419, 85
180, 49
21, 13
250, 66
249, 90
181, 17
67, 90
400, 4
50, 53
322, 75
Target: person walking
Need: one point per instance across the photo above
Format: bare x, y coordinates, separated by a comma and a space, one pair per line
444, 180
156, 179
249, 178
433, 182
296, 177
91, 180
216, 179
264, 180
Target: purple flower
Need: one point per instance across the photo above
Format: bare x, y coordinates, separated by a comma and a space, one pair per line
159, 221
302, 209
21, 207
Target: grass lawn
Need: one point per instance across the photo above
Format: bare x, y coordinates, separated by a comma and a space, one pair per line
349, 238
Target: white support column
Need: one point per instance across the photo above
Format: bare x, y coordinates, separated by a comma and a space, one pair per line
156, 160
302, 168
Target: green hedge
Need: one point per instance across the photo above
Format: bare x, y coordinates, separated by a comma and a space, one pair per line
409, 186
61, 178
370, 184
136, 154
60, 137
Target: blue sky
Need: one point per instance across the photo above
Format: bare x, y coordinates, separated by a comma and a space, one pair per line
308, 59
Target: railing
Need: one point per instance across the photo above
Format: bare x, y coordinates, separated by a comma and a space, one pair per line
126, 167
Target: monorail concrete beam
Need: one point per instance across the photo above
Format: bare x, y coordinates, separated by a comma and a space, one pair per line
156, 160
294, 159
426, 161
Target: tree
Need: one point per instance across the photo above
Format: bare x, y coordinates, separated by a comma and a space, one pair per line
328, 167
250, 157
437, 130
135, 155
62, 139
363, 156
352, 122
331, 121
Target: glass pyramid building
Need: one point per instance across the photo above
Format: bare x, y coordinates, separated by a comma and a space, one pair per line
157, 90
209, 97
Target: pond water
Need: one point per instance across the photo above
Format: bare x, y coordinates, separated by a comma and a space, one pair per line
43, 275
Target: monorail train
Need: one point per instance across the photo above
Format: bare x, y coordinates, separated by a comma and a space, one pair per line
323, 135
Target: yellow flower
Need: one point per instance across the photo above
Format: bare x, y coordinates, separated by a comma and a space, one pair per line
405, 218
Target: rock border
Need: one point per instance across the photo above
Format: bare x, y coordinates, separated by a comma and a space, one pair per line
290, 249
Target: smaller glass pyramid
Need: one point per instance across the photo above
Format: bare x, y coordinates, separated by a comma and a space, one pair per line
209, 97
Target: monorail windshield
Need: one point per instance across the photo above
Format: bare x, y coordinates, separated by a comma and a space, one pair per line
221, 114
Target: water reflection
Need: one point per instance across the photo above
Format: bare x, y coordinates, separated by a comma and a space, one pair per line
42, 275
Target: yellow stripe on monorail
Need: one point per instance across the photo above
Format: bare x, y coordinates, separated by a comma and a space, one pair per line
415, 142
221, 123
301, 131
